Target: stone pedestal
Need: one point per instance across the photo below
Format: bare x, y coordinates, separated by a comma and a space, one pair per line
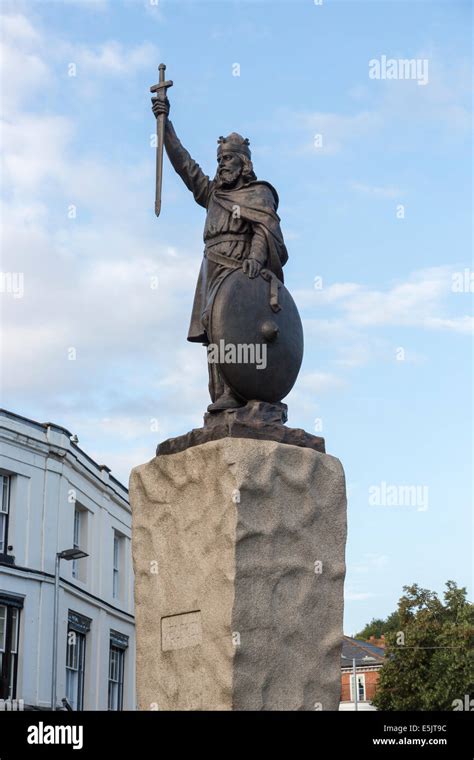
238, 553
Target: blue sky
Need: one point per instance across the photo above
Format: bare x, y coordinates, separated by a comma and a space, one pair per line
388, 358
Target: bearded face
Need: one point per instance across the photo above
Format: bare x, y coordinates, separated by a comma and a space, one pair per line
229, 169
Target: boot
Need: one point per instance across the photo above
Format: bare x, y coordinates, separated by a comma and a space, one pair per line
227, 400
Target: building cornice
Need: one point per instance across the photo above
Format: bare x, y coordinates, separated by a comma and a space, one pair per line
42, 575
71, 454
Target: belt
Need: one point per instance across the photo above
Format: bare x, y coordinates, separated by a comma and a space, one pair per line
219, 258
229, 238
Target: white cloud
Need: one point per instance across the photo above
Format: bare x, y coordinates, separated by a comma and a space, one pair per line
33, 150
464, 325
18, 27
112, 58
335, 129
88, 280
376, 192
96, 5
328, 294
319, 382
357, 354
125, 427
419, 301
354, 314
443, 105
25, 47
370, 563
338, 291
23, 70
304, 399
410, 303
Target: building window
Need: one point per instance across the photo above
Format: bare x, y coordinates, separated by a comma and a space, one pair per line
4, 510
79, 542
117, 565
78, 626
116, 665
75, 666
360, 687
9, 636
118, 645
76, 541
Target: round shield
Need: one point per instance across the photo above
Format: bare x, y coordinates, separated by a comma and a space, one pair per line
257, 349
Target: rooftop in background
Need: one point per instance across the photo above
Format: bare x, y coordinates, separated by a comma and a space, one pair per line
363, 652
64, 439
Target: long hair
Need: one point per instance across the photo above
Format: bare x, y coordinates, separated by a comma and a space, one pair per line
248, 173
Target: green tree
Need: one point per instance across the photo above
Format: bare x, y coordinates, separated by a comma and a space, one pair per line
378, 626
429, 659
375, 628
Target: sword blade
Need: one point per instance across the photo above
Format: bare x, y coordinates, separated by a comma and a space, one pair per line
160, 134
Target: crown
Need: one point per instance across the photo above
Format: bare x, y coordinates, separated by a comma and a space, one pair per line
234, 143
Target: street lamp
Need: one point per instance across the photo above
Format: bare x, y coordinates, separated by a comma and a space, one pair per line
356, 686
67, 554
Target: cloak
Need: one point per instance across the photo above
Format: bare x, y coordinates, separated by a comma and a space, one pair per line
257, 203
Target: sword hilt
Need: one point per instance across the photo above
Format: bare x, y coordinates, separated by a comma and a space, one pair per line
162, 86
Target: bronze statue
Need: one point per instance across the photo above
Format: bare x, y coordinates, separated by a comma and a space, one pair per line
240, 300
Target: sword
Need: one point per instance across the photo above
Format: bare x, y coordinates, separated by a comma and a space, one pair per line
160, 90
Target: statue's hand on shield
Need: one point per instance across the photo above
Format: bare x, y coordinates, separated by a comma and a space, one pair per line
159, 106
251, 267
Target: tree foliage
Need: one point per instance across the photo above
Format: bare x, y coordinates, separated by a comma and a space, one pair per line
429, 661
378, 626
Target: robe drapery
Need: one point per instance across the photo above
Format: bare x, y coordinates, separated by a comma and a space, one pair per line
240, 223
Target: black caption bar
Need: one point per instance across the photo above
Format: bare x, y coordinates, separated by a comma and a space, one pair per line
369, 734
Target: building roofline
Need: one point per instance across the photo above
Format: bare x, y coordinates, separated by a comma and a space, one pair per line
58, 428
363, 645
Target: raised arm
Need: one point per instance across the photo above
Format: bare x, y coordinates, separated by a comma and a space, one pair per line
189, 171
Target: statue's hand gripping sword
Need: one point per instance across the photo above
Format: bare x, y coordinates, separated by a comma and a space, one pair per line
160, 90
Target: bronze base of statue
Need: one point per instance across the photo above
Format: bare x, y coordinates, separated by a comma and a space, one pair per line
256, 419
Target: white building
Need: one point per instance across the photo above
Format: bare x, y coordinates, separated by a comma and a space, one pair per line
54, 497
